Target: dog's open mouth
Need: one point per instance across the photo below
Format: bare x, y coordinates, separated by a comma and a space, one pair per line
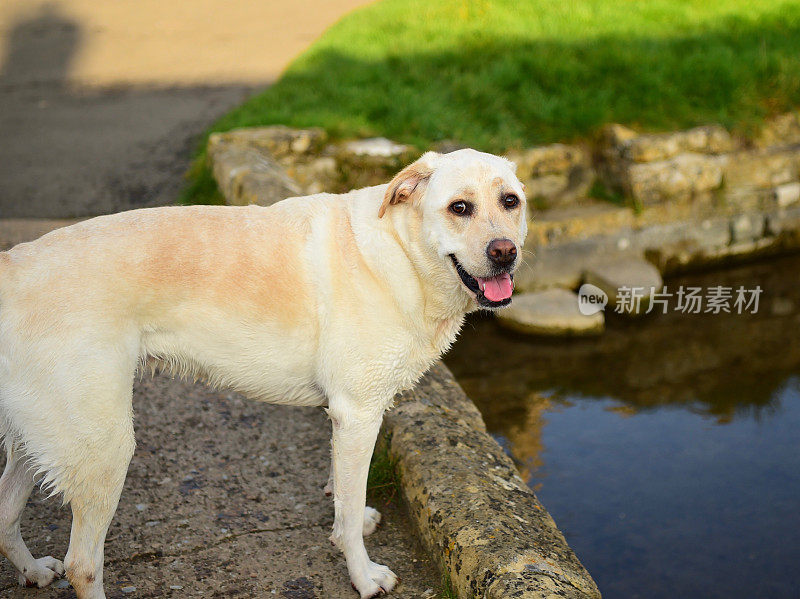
491, 292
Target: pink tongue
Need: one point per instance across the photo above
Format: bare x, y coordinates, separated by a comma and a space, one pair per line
497, 288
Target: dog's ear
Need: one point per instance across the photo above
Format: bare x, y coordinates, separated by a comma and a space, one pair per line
409, 181
513, 166
510, 164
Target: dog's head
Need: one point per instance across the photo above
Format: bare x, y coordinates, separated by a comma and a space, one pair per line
473, 218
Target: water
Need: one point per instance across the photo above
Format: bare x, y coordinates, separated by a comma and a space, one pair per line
667, 450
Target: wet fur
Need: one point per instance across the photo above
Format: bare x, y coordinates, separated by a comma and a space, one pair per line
322, 300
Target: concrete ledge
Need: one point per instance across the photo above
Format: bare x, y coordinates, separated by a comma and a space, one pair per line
470, 505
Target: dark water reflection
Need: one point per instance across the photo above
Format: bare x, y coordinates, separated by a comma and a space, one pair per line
668, 449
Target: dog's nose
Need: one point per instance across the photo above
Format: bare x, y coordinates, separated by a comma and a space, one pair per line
502, 252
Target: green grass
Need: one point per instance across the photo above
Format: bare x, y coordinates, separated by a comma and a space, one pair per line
383, 481
447, 587
512, 73
599, 191
383, 485
201, 187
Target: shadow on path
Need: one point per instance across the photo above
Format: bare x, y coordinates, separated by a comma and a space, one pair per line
67, 152
42, 47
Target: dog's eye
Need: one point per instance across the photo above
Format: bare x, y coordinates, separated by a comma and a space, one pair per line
461, 208
511, 201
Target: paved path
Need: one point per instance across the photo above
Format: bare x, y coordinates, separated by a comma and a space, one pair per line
101, 104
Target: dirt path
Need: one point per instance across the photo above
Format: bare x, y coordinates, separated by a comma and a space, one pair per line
223, 499
101, 103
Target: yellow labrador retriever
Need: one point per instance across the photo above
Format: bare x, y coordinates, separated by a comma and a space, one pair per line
337, 300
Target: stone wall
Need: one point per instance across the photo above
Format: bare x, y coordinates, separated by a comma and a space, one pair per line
640, 170
695, 198
555, 175
470, 505
267, 164
702, 162
680, 201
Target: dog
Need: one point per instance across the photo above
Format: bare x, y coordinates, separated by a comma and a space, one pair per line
325, 300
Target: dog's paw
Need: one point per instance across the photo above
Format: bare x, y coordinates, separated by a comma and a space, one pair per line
377, 580
47, 569
372, 518
328, 489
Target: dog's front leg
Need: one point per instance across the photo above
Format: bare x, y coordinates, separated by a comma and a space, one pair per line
354, 432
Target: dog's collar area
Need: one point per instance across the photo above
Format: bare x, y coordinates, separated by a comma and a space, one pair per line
472, 284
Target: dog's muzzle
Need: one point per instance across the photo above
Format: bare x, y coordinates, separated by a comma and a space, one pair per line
490, 292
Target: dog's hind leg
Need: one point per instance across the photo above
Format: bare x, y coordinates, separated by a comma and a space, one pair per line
16, 485
82, 439
94, 501
84, 561
66, 386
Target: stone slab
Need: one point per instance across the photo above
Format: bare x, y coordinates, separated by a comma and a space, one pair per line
375, 146
763, 168
680, 177
546, 160
551, 313
470, 504
277, 141
564, 264
554, 175
563, 243
629, 283
710, 139
787, 195
247, 173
